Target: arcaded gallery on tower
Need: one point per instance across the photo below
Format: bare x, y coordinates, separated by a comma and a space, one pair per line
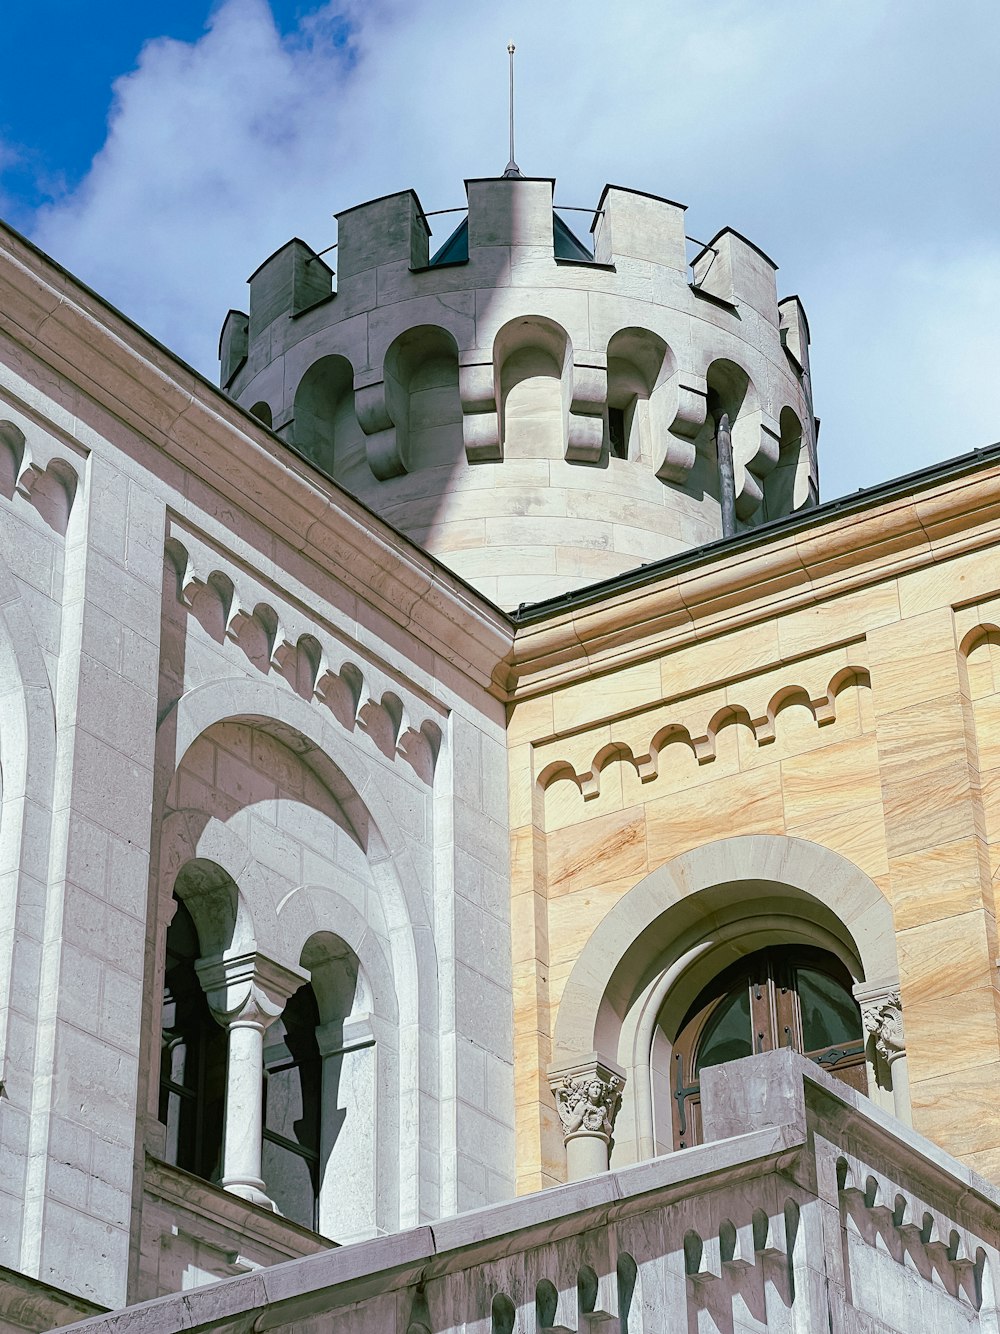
483, 847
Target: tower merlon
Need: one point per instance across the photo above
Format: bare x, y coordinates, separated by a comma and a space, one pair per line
234, 343
794, 329
290, 281
533, 415
736, 271
383, 231
510, 212
634, 225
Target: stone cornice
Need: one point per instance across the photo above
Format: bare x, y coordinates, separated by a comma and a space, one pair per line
128, 374
697, 600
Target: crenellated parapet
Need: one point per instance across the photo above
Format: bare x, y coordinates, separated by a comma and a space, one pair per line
537, 411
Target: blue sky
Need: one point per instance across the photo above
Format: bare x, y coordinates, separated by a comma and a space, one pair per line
162, 151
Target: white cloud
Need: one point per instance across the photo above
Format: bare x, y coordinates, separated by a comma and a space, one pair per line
853, 146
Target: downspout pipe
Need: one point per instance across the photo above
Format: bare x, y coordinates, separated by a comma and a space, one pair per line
727, 476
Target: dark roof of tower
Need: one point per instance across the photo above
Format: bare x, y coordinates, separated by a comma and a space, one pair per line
565, 244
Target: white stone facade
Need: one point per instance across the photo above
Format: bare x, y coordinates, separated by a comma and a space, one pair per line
221, 683
536, 422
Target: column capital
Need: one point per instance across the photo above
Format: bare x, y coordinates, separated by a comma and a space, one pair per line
247, 988
882, 1015
587, 1094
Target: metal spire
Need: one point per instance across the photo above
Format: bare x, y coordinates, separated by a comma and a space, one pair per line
512, 171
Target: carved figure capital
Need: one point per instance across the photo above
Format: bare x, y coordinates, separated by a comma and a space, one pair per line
587, 1099
883, 1018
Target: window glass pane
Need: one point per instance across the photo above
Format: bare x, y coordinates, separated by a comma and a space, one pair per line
193, 1058
830, 1017
728, 1034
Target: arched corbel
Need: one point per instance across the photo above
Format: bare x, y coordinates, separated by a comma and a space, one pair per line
480, 417
585, 434
189, 581
382, 443
27, 476
192, 582
756, 444
691, 413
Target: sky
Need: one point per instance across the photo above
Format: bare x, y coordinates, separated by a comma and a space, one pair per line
160, 151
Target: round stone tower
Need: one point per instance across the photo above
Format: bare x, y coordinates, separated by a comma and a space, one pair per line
537, 415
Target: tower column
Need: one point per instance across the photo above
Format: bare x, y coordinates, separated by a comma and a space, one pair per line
246, 994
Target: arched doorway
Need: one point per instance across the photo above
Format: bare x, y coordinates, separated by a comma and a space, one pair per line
796, 997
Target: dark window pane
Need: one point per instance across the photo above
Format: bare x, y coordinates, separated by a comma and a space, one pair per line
830, 1016
193, 1058
728, 1035
616, 432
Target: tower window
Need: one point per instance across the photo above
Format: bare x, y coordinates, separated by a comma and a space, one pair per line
616, 433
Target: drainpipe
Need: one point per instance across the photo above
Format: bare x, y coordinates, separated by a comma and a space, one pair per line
727, 476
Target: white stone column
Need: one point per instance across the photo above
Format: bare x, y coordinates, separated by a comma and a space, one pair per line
587, 1095
246, 994
882, 1014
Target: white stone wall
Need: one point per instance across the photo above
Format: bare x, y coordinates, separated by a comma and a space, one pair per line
814, 1211
468, 404
212, 657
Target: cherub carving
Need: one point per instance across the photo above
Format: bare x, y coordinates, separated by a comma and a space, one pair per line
588, 1105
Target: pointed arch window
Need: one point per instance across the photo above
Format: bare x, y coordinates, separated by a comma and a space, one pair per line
777, 997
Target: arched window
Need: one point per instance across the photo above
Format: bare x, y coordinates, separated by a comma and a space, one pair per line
293, 1075
799, 998
192, 1059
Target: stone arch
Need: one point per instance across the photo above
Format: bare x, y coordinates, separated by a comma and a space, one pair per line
263, 705
27, 764
755, 445
422, 397
226, 880
365, 1148
262, 411
12, 451
786, 489
683, 923
407, 947
325, 425
639, 366
313, 911
532, 369
979, 653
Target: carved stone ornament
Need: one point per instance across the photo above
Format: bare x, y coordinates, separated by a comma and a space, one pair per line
588, 1104
883, 1018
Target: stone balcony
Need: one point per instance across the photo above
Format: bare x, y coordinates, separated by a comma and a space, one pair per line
810, 1209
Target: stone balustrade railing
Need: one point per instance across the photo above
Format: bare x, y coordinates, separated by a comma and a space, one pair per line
809, 1209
